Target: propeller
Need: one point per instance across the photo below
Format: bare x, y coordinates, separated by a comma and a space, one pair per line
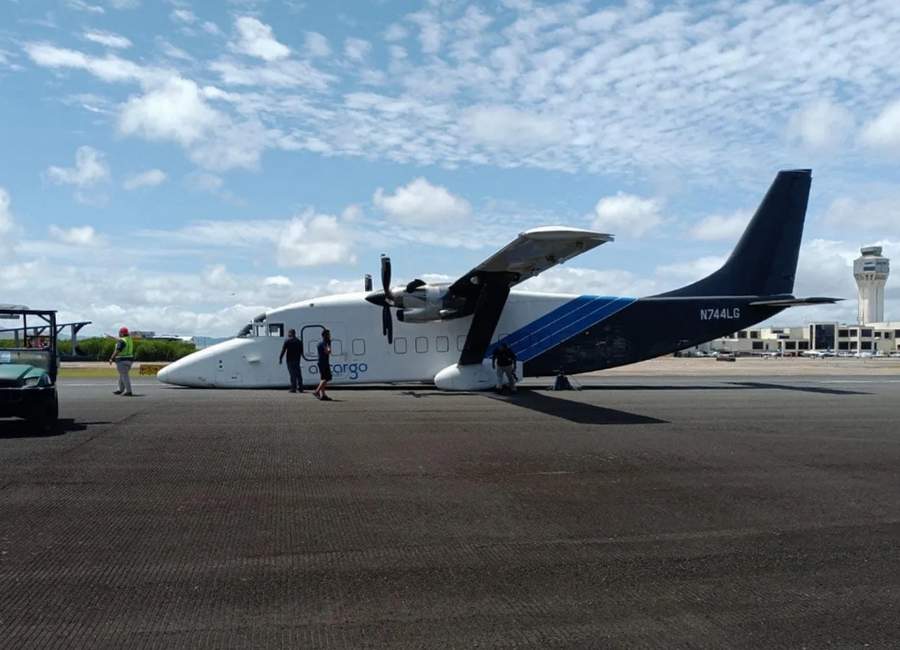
387, 321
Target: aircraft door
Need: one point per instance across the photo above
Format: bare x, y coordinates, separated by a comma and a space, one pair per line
311, 335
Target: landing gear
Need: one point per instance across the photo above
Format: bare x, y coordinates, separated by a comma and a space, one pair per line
562, 382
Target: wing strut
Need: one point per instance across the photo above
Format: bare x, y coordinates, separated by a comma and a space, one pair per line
488, 307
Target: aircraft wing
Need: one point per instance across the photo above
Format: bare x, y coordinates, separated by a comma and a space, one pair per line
532, 252
486, 287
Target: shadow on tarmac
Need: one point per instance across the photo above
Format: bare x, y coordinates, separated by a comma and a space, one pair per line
10, 429
577, 412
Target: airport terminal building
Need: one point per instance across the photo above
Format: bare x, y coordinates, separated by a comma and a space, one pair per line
872, 335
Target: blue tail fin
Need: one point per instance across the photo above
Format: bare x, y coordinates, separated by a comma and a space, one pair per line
764, 261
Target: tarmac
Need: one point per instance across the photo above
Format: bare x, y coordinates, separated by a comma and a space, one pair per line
646, 510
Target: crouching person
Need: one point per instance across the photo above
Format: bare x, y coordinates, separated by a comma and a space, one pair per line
504, 360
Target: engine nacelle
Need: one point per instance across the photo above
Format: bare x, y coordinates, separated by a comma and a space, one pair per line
422, 305
419, 314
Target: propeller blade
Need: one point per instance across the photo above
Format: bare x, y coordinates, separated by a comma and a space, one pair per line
387, 323
386, 275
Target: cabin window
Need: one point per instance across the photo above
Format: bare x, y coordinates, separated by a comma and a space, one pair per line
421, 344
359, 347
400, 345
276, 329
461, 342
311, 351
442, 344
337, 347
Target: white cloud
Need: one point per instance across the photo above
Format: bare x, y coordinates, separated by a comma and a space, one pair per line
627, 214
185, 16
76, 235
884, 131
204, 182
7, 223
510, 127
821, 125
278, 281
430, 32
255, 39
353, 212
107, 39
149, 178
109, 68
90, 168
317, 45
395, 32
874, 216
276, 74
80, 5
306, 240
680, 273
356, 49
313, 240
721, 227
176, 110
574, 280
123, 4
420, 202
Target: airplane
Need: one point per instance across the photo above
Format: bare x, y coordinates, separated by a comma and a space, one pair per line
445, 333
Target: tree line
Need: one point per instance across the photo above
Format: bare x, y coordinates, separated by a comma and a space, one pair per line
101, 348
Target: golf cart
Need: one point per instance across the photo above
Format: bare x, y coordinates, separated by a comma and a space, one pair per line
28, 365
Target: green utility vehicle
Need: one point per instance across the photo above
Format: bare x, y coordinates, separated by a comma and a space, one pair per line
28, 365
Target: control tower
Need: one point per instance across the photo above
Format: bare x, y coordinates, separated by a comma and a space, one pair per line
871, 271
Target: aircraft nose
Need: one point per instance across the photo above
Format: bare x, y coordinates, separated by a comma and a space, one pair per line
169, 374
184, 372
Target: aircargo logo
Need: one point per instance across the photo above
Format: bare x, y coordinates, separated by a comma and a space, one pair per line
346, 370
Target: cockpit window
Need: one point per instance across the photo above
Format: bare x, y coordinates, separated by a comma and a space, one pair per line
276, 329
245, 330
260, 318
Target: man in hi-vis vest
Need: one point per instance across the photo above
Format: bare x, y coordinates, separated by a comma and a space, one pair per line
124, 357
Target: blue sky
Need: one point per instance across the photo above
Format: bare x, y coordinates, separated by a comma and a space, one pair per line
180, 166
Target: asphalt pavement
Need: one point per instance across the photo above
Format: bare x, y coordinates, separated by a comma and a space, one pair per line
639, 512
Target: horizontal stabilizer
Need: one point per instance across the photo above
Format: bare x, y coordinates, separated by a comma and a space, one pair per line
795, 302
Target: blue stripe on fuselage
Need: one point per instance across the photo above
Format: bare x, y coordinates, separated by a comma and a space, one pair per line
562, 323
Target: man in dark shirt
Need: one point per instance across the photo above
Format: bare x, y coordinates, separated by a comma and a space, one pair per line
293, 349
324, 350
504, 360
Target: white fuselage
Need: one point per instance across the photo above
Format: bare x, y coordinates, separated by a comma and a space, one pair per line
360, 353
